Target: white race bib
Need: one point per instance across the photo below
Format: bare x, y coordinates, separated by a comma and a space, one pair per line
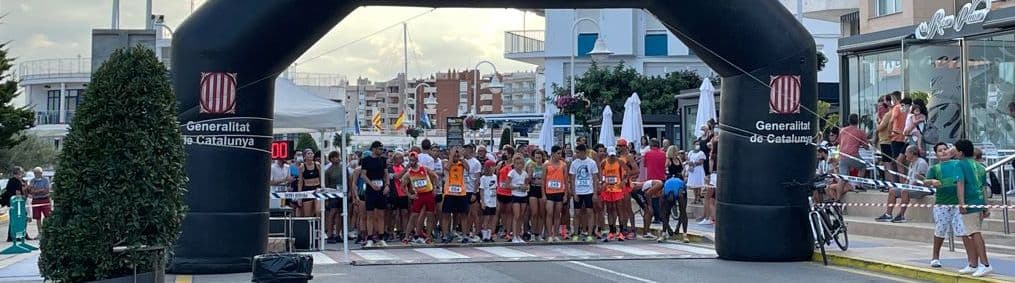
611, 180
454, 189
419, 183
377, 183
583, 182
554, 184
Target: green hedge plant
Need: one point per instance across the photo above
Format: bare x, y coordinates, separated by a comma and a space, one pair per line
120, 180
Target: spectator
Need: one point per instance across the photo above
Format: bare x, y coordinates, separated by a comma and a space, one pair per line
947, 219
39, 189
917, 170
696, 173
15, 187
667, 143
884, 134
898, 136
970, 189
851, 139
916, 125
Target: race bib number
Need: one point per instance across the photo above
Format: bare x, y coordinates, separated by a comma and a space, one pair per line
554, 184
419, 183
377, 183
583, 182
611, 180
454, 189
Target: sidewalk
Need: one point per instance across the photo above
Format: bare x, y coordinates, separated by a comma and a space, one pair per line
909, 259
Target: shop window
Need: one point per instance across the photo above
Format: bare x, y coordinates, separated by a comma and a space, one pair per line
991, 76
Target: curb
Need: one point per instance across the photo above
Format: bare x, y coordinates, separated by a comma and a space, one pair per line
935, 275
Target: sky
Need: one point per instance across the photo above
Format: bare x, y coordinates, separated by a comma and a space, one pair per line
439, 40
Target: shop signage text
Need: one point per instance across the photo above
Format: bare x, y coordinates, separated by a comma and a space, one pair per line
969, 14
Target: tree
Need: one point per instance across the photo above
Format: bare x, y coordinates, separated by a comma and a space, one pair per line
612, 86
305, 141
32, 152
336, 141
13, 120
130, 193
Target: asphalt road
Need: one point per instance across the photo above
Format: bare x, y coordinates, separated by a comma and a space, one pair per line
693, 270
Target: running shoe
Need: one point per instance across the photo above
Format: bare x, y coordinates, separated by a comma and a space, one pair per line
686, 240
465, 240
884, 218
621, 237
382, 243
649, 236
370, 244
935, 263
609, 237
574, 238
589, 238
967, 270
630, 235
475, 239
405, 241
983, 270
899, 219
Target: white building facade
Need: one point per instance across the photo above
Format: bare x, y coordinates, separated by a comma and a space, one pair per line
640, 41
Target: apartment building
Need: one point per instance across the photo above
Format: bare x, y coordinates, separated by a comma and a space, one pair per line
523, 93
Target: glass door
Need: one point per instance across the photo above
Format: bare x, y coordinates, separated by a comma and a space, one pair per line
990, 77
932, 71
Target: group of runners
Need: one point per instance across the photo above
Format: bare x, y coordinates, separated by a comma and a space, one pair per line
467, 194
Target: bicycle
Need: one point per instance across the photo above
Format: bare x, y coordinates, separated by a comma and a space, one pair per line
827, 223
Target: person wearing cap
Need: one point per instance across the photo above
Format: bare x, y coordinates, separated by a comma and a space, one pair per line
376, 176
488, 193
585, 173
612, 191
555, 185
631, 173
420, 188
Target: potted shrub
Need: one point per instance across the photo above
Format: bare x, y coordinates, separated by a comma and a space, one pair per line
120, 175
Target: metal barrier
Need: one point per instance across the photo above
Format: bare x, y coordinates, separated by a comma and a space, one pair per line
1004, 176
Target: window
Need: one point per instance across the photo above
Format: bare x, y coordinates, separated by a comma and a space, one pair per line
655, 45
586, 41
886, 7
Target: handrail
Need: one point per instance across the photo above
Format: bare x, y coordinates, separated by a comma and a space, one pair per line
998, 164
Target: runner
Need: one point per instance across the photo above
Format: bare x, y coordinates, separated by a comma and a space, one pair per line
674, 192
400, 200
488, 192
537, 209
631, 172
439, 164
585, 174
456, 202
421, 191
612, 192
655, 170
519, 196
555, 184
377, 186
474, 169
504, 200
599, 213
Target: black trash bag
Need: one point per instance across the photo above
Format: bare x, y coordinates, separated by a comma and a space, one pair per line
283, 267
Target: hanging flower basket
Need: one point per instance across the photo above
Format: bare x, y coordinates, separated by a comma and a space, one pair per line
475, 123
412, 132
568, 104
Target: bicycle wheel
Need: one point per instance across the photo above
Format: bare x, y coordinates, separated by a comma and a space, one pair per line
841, 236
817, 230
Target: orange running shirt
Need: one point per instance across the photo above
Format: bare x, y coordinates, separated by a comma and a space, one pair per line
555, 176
505, 182
420, 180
455, 186
613, 176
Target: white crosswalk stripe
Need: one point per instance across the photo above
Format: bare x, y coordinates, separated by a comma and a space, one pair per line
440, 253
504, 252
687, 248
375, 255
571, 252
629, 249
320, 258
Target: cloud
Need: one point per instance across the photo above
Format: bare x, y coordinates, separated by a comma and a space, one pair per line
40, 41
440, 40
25, 7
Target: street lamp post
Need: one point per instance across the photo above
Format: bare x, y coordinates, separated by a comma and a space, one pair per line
599, 51
495, 86
424, 103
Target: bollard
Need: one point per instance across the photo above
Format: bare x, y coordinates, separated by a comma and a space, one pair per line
1005, 186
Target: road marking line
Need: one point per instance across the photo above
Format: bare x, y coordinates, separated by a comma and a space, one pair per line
572, 252
625, 275
440, 253
504, 252
184, 279
629, 250
687, 248
320, 258
375, 255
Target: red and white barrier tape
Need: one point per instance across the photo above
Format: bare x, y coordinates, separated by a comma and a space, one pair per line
922, 205
879, 183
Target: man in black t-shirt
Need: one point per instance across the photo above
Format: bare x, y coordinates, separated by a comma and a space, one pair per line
376, 176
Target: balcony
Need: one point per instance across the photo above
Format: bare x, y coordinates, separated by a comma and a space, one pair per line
825, 10
55, 71
850, 24
526, 46
486, 96
430, 101
52, 117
